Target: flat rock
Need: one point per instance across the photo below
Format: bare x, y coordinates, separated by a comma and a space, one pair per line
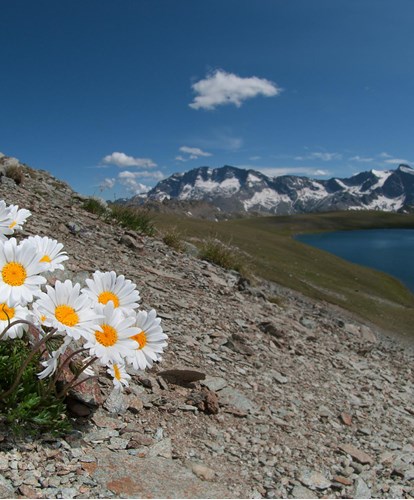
361, 489
155, 478
231, 397
214, 383
358, 455
279, 378
116, 402
302, 492
161, 449
314, 480
203, 472
6, 488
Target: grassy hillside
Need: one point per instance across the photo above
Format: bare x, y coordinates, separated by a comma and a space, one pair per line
276, 255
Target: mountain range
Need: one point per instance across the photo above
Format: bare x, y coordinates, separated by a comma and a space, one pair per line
235, 190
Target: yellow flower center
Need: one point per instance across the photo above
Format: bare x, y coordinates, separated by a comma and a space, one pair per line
45, 258
117, 372
43, 318
66, 315
12, 224
14, 274
108, 337
141, 338
6, 312
105, 297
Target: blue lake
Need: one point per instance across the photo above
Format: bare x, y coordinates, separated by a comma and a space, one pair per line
389, 250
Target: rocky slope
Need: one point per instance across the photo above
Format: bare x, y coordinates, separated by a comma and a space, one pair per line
299, 399
233, 189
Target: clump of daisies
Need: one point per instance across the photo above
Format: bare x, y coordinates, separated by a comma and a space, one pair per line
101, 323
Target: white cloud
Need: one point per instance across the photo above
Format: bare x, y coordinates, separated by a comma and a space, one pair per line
107, 183
142, 174
320, 155
277, 171
130, 182
220, 88
255, 158
361, 159
122, 160
193, 153
384, 155
397, 161
222, 139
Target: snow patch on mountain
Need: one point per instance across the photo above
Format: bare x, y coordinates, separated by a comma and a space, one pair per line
234, 190
267, 198
406, 170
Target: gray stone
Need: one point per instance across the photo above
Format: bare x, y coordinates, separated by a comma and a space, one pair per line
314, 479
302, 492
308, 323
100, 435
231, 397
6, 488
396, 491
116, 402
203, 472
73, 227
214, 383
4, 463
69, 492
158, 478
161, 449
278, 377
361, 489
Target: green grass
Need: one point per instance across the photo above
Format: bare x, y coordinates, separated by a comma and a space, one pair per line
30, 408
277, 256
134, 218
173, 239
95, 206
223, 255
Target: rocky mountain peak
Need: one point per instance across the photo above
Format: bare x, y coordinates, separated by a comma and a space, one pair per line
235, 190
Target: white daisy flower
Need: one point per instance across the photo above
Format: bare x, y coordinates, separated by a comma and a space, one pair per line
49, 251
18, 217
111, 341
19, 272
149, 343
105, 287
8, 315
5, 221
66, 309
119, 375
38, 318
52, 363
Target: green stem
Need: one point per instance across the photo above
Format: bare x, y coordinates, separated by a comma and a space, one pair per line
59, 369
18, 322
28, 359
70, 385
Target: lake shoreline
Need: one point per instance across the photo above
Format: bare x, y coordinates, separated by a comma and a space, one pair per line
387, 250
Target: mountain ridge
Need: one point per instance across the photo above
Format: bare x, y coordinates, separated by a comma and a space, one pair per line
232, 189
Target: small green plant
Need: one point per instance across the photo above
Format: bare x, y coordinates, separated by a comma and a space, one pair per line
173, 239
30, 407
279, 301
15, 172
95, 206
224, 256
134, 218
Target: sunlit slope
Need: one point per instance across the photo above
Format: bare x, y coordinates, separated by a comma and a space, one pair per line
276, 256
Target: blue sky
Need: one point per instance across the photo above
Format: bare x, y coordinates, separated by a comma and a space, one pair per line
112, 96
